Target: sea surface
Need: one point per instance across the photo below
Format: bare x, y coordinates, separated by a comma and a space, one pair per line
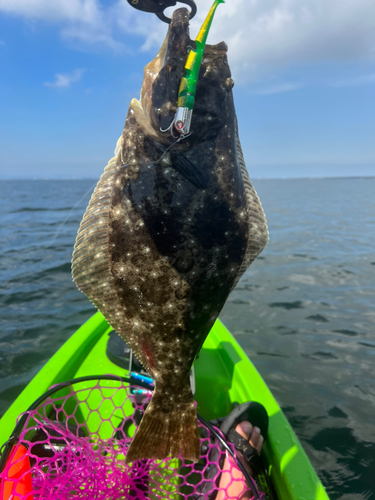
304, 311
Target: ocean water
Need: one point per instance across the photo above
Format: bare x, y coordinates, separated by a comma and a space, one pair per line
304, 311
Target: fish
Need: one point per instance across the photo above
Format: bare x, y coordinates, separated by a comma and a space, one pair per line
169, 230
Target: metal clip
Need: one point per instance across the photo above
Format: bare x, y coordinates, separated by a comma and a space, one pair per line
182, 120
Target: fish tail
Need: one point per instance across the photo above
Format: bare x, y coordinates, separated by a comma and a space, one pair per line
163, 434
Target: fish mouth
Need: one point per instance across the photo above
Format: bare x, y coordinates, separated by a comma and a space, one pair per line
163, 75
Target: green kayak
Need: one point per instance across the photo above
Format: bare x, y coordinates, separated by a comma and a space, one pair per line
223, 375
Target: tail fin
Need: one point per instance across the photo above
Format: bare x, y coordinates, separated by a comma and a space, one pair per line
162, 434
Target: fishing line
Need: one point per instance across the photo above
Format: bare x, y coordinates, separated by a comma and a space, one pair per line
173, 144
54, 237
169, 147
163, 154
56, 234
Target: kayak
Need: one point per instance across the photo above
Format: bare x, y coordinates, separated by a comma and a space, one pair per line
224, 377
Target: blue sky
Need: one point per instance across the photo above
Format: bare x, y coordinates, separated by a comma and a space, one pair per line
304, 74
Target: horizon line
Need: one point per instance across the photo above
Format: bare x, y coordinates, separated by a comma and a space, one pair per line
253, 178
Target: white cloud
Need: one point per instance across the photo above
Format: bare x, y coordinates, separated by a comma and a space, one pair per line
268, 36
146, 25
354, 82
264, 36
64, 80
88, 34
290, 86
84, 20
56, 10
278, 88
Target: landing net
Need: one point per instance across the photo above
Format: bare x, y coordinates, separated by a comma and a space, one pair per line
72, 445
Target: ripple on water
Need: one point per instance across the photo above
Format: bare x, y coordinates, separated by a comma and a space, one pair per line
320, 355
286, 330
319, 230
350, 333
40, 209
297, 304
318, 317
337, 413
354, 460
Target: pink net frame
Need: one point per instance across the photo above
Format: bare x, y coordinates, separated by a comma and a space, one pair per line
72, 446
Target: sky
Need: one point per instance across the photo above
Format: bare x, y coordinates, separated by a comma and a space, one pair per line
304, 73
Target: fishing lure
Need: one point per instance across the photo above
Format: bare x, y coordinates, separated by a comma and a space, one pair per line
186, 93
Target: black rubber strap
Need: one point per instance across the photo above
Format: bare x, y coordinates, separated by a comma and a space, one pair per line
249, 453
254, 413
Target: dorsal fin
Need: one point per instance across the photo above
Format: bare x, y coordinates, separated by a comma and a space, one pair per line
258, 232
90, 261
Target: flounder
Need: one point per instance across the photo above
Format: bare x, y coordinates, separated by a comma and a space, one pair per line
168, 232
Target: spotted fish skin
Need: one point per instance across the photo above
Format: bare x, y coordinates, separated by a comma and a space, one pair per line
168, 233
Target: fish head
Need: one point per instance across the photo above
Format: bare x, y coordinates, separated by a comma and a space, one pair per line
162, 76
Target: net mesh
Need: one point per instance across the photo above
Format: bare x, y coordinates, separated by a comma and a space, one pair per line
72, 446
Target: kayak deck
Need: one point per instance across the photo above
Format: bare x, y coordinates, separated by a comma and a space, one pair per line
224, 375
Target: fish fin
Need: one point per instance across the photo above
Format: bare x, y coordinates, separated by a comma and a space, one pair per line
91, 262
166, 434
191, 172
258, 231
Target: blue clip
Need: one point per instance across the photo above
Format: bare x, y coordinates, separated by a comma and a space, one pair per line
142, 378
